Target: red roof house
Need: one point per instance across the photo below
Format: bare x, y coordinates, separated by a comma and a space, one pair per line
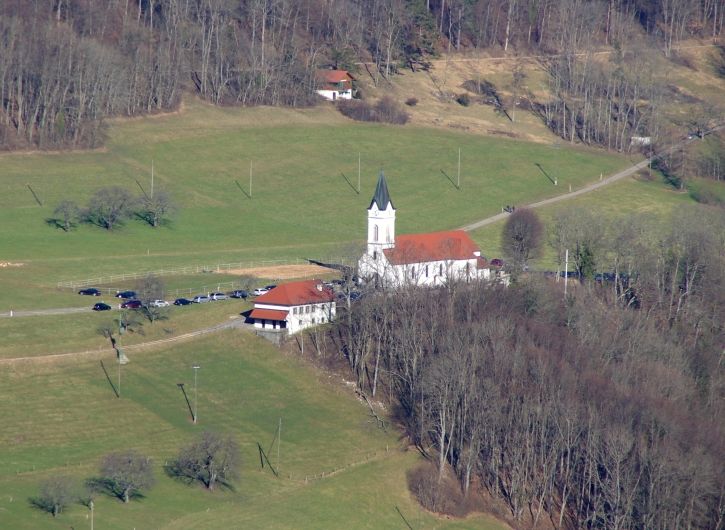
294, 306
335, 84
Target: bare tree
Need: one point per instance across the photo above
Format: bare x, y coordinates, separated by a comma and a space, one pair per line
156, 207
211, 459
109, 206
67, 214
55, 494
149, 289
126, 473
521, 238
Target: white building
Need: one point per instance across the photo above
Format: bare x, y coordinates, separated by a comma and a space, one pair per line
335, 84
294, 306
417, 259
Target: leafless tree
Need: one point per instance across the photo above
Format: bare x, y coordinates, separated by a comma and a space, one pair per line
56, 493
125, 474
212, 459
109, 206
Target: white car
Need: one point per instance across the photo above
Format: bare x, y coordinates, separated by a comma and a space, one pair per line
260, 291
159, 303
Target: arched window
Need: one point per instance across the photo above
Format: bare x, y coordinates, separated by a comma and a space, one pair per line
375, 233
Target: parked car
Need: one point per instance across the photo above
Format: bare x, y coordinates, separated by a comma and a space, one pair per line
159, 303
259, 291
239, 293
218, 296
200, 299
100, 306
131, 304
270, 287
90, 292
126, 295
182, 301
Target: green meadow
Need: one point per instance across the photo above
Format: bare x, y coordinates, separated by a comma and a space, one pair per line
61, 418
304, 200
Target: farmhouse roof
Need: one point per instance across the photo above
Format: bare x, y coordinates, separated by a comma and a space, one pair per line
334, 76
297, 293
381, 197
268, 314
435, 246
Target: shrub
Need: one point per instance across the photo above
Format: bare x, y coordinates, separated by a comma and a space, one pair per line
411, 102
442, 496
463, 99
386, 111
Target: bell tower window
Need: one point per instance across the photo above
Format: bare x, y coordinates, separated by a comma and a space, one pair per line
375, 233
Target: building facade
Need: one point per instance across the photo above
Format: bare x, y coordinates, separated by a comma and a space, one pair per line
294, 306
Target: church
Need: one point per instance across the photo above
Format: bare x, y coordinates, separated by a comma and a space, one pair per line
430, 259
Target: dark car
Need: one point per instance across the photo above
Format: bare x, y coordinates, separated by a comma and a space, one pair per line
270, 287
131, 304
100, 306
182, 301
239, 293
126, 295
90, 292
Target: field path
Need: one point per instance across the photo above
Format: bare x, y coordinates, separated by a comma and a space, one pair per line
591, 187
50, 357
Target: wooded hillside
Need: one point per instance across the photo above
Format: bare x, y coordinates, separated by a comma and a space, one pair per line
67, 64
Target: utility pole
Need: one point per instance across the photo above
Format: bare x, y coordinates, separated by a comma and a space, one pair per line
250, 179
90, 505
358, 172
152, 178
566, 271
459, 168
119, 374
279, 440
196, 398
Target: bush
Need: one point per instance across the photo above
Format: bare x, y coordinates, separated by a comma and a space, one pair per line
463, 99
386, 111
441, 497
411, 102
55, 494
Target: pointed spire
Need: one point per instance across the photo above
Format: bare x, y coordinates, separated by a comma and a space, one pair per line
381, 196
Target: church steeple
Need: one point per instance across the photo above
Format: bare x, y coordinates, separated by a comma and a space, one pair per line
381, 219
381, 197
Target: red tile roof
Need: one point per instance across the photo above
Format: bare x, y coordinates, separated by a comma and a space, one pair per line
297, 293
334, 76
435, 246
268, 314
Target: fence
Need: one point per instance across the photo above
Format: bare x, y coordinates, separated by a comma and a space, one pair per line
192, 269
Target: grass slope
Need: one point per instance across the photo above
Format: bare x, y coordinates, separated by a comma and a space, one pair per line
61, 418
301, 204
612, 203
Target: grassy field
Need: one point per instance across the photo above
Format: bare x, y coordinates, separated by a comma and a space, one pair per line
61, 419
301, 205
615, 202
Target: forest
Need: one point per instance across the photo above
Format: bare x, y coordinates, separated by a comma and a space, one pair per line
65, 65
599, 409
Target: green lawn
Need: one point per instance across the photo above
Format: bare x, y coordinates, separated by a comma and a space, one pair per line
61, 419
301, 204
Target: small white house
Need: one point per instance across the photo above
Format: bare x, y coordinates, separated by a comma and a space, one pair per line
294, 306
335, 84
418, 259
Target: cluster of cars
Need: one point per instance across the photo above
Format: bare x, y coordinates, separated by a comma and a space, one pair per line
131, 302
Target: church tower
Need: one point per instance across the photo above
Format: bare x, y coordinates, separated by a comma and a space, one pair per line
381, 220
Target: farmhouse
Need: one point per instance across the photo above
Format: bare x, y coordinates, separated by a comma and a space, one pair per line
294, 306
417, 259
335, 84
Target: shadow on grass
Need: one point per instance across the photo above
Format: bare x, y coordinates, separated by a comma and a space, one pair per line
108, 378
545, 173
353, 188
190, 475
449, 179
247, 195
110, 488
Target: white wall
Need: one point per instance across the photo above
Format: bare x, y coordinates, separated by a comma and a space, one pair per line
332, 95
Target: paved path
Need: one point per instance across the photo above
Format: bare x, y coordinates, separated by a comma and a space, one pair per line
591, 187
40, 312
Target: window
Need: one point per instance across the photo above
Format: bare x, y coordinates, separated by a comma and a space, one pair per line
440, 270
426, 271
412, 273
313, 320
307, 309
294, 310
468, 268
375, 254
375, 233
387, 235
